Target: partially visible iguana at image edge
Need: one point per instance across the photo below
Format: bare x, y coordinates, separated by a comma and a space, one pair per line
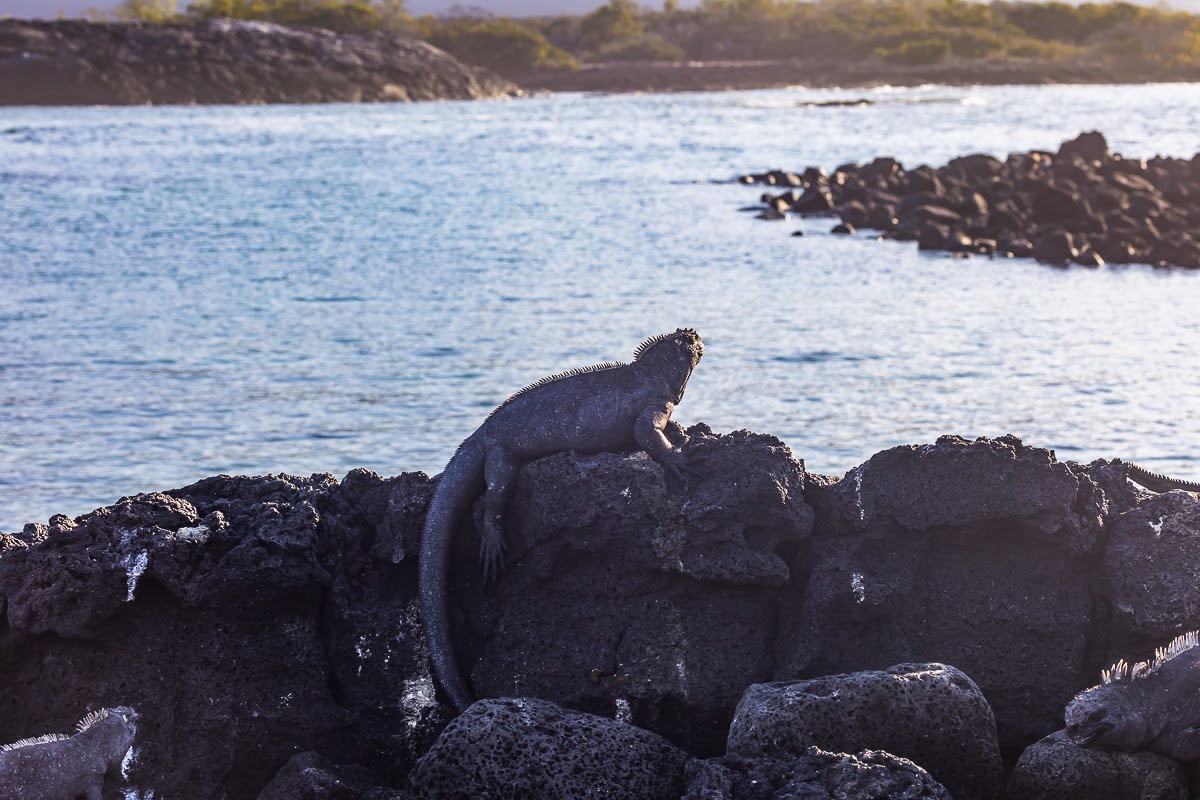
1156, 482
603, 408
61, 767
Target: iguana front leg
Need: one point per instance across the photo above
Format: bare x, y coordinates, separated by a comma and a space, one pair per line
499, 471
650, 433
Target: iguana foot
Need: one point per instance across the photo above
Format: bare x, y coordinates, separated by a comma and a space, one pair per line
678, 468
491, 553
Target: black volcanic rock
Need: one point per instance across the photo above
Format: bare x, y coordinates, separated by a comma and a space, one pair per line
1055, 768
1082, 205
72, 62
251, 619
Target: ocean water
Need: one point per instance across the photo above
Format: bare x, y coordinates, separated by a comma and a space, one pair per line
190, 291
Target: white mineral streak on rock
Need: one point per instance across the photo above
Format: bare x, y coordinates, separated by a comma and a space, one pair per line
198, 534
134, 567
418, 696
1157, 527
857, 587
624, 712
858, 500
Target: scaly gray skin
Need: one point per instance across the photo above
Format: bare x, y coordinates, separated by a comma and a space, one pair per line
608, 407
1152, 705
59, 767
1156, 482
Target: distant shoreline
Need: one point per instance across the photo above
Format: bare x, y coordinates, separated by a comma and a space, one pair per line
694, 76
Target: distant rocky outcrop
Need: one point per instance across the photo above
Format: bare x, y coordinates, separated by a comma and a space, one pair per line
73, 62
266, 628
1082, 205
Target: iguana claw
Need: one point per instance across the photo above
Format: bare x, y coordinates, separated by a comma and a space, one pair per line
491, 556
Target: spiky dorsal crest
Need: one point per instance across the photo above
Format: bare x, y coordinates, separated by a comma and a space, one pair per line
49, 737
653, 340
557, 377
1124, 671
90, 720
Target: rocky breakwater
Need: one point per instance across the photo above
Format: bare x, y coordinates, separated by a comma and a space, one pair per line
906, 630
69, 62
1082, 205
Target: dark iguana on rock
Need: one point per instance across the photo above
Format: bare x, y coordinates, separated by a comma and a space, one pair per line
1156, 482
1151, 705
61, 767
607, 407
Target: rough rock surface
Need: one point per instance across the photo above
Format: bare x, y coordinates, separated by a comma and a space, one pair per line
1082, 204
978, 554
669, 600
931, 714
1057, 769
1151, 603
69, 62
251, 619
247, 619
518, 747
813, 775
308, 776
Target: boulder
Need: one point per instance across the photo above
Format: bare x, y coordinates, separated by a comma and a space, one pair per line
1090, 146
1056, 247
931, 714
522, 747
664, 595
1151, 603
812, 775
816, 199
981, 554
1055, 768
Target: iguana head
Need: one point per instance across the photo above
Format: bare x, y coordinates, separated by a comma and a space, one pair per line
673, 356
1151, 705
112, 730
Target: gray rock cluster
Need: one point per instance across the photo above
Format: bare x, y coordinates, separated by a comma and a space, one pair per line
907, 630
1081, 205
70, 62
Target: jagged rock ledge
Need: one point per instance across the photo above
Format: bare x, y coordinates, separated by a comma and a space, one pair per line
1083, 205
74, 62
952, 598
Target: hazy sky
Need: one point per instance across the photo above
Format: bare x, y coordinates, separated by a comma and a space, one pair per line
73, 8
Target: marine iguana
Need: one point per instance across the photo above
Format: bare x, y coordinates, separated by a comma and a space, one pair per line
606, 407
61, 767
1151, 705
1156, 482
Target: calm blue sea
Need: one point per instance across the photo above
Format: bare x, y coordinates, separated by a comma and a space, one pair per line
189, 291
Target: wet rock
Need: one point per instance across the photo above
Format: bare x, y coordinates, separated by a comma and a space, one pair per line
931, 714
1057, 769
931, 236
843, 228
816, 199
813, 775
68, 62
517, 747
664, 593
1057, 248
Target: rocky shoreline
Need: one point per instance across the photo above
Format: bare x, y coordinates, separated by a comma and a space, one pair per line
1080, 205
265, 629
72, 62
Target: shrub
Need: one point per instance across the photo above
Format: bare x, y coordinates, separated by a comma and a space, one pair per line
498, 44
916, 53
644, 47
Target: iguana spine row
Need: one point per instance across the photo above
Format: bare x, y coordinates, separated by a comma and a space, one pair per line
87, 722
1156, 482
1124, 671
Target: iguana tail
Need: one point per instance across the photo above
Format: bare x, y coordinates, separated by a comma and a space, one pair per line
456, 491
1158, 483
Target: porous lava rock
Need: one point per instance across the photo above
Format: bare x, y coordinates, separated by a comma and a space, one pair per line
71, 62
931, 714
1082, 205
619, 591
1152, 573
1055, 768
522, 747
982, 554
813, 775
245, 619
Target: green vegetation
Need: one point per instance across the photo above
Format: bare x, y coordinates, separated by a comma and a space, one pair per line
1146, 41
